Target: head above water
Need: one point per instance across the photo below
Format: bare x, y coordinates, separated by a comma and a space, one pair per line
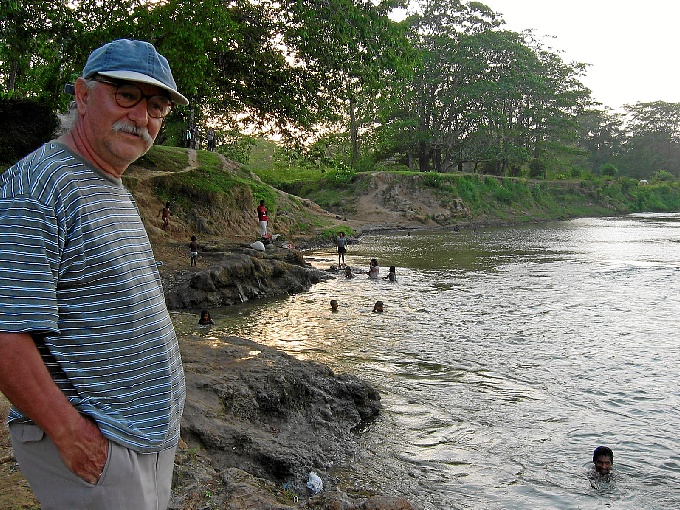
378, 307
603, 458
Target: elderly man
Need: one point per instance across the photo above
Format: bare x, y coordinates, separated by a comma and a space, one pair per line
88, 355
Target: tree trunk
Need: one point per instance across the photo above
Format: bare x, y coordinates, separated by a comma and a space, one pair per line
354, 131
423, 156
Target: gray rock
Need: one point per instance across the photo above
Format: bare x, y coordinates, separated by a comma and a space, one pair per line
240, 276
278, 418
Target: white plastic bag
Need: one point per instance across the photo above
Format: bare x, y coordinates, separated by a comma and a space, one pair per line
314, 483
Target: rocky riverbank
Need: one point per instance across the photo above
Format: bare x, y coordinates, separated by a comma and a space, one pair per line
258, 422
238, 273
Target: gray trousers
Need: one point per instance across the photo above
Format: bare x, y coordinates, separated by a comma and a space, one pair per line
130, 480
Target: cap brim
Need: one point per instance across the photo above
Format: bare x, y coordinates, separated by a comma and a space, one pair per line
175, 96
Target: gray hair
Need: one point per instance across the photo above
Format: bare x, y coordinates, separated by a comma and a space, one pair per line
68, 119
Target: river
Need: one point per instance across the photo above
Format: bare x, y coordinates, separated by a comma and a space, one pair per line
504, 356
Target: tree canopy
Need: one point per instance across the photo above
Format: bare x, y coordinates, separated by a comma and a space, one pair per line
448, 88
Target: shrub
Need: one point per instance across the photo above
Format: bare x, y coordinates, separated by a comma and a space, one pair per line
24, 126
663, 176
537, 168
608, 170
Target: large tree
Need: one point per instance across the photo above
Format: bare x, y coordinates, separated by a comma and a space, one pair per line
287, 66
652, 140
600, 134
482, 94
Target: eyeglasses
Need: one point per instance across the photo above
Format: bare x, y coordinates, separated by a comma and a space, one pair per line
129, 95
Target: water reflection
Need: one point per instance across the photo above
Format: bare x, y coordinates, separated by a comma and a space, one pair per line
504, 356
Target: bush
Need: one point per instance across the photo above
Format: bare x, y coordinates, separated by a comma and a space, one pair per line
663, 176
24, 126
608, 170
235, 146
537, 168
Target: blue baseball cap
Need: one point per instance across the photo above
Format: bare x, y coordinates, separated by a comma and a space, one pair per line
128, 60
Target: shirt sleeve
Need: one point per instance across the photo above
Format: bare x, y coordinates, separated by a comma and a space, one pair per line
29, 266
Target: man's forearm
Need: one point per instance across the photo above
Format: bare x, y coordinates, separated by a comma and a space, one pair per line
26, 382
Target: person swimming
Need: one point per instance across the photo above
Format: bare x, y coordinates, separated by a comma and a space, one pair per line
378, 307
374, 269
603, 459
334, 305
205, 319
601, 475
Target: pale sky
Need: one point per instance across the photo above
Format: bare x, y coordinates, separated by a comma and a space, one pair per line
633, 47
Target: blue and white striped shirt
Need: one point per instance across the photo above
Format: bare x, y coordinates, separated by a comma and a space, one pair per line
77, 272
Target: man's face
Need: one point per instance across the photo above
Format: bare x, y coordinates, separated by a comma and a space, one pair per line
603, 464
106, 127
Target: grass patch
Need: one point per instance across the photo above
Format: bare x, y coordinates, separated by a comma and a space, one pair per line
161, 157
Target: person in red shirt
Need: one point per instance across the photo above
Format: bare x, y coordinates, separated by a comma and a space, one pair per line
262, 217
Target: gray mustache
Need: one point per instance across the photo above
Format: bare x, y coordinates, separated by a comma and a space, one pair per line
142, 132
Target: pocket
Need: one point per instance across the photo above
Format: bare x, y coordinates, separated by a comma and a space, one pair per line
26, 432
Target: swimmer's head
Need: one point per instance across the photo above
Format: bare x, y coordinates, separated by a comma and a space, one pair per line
603, 458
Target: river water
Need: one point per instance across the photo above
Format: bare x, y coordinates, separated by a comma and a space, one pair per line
504, 356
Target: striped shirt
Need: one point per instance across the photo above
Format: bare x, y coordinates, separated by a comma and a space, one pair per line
77, 272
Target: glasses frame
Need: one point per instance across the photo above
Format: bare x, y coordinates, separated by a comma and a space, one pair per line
148, 97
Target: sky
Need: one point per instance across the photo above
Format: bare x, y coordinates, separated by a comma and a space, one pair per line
632, 47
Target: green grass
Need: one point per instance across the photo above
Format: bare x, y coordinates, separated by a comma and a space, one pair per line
168, 159
336, 188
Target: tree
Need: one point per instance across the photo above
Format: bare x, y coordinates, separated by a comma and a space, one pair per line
285, 66
351, 52
652, 139
485, 95
600, 134
33, 48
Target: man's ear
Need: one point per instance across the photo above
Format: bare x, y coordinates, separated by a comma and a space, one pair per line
82, 92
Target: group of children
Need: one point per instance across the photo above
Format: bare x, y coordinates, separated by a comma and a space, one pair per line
373, 273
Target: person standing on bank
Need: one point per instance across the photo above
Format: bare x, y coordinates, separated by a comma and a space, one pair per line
89, 358
193, 251
164, 214
210, 136
262, 218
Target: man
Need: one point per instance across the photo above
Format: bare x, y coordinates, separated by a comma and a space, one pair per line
262, 218
88, 355
603, 458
